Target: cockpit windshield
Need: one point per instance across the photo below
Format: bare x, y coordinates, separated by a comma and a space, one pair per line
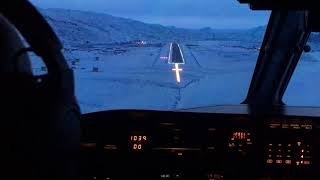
303, 88
157, 55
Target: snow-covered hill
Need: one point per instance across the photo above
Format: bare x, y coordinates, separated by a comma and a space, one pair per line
79, 27
249, 35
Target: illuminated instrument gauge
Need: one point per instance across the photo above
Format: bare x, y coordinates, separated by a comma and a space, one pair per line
138, 142
240, 141
88, 146
240, 136
289, 154
288, 143
215, 176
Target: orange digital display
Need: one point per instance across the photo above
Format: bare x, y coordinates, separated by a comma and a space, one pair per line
137, 142
239, 135
138, 138
137, 146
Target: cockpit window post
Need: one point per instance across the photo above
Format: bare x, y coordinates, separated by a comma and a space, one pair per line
284, 41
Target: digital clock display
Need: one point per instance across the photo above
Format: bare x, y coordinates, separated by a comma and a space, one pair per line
137, 142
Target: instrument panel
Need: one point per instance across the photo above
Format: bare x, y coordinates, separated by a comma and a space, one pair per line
189, 145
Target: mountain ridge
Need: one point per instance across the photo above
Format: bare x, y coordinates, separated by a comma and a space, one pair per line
76, 27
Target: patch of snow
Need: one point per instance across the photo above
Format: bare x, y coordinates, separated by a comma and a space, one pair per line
112, 71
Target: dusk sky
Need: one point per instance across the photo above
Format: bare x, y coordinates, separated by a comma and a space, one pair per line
180, 13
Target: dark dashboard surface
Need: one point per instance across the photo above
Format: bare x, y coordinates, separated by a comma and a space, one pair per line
222, 142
